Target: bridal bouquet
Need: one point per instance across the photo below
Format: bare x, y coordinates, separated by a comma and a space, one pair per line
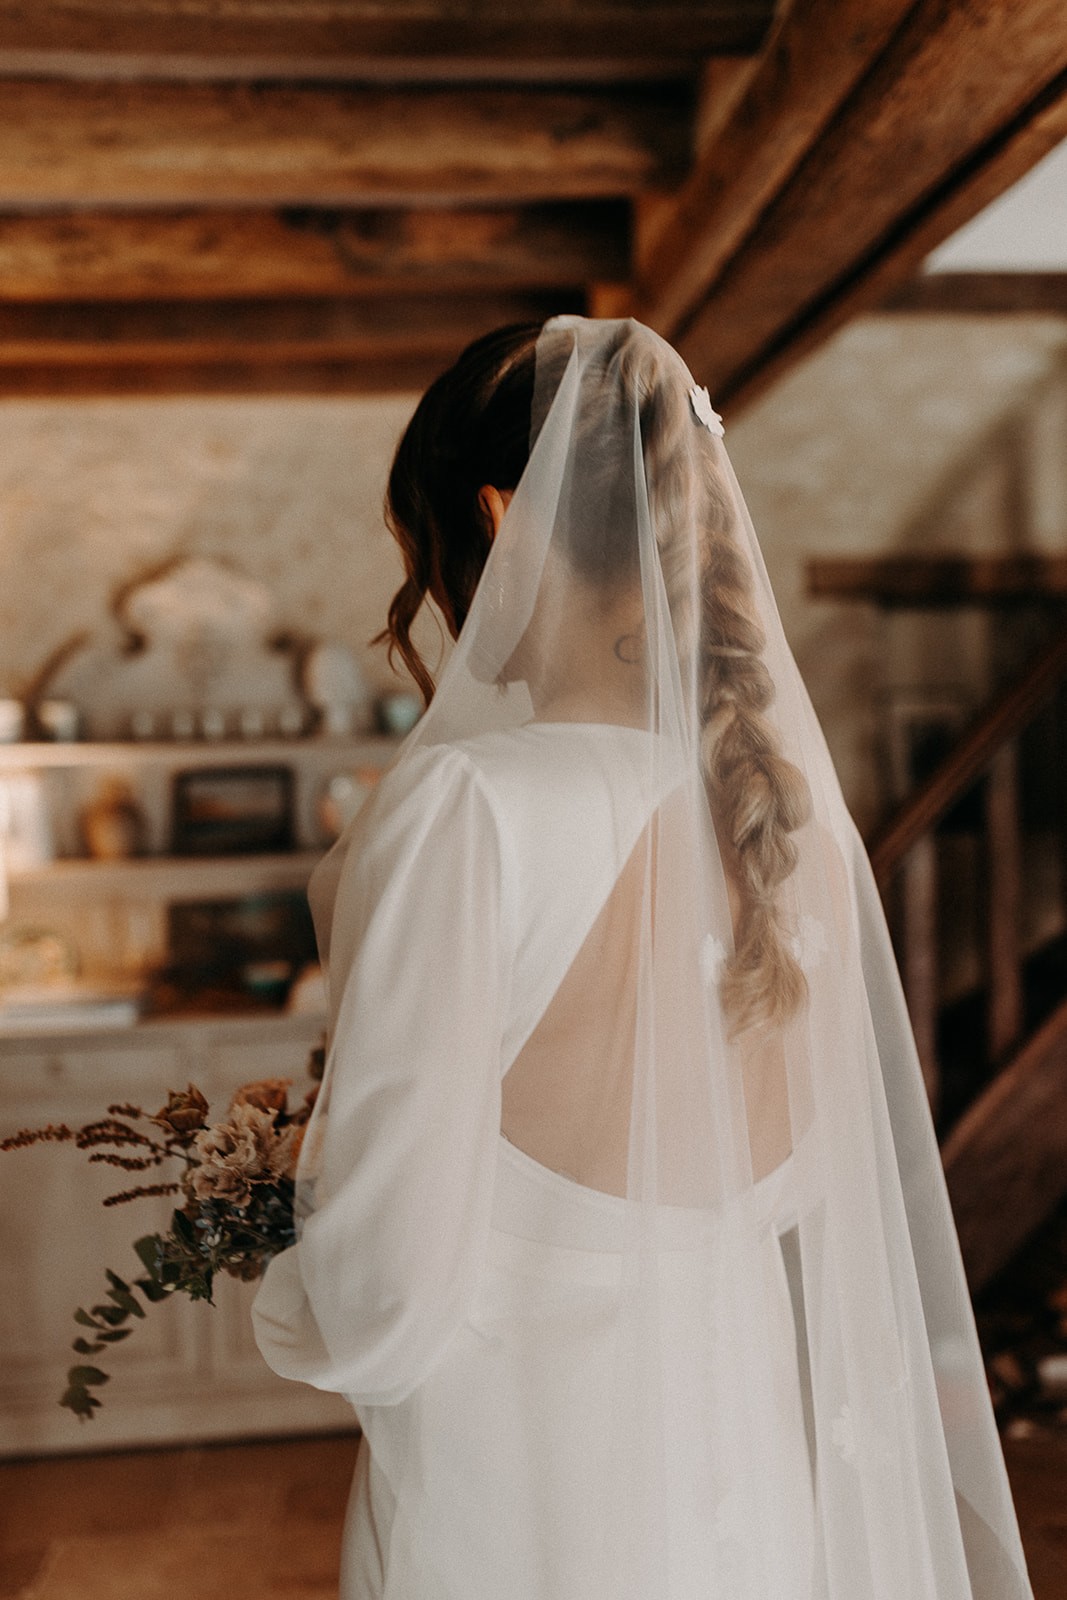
236, 1183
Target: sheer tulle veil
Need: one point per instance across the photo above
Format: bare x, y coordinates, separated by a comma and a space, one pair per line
734, 1007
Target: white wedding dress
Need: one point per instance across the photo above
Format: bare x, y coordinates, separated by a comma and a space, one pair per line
462, 1293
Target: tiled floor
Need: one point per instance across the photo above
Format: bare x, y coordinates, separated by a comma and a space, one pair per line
263, 1522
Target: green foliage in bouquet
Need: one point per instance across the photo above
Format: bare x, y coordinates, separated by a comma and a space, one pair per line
237, 1202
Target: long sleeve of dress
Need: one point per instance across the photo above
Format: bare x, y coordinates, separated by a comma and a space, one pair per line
406, 1136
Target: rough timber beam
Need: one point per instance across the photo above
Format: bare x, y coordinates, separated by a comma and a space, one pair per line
982, 294
217, 253
813, 59
164, 144
964, 97
237, 346
1005, 159
404, 37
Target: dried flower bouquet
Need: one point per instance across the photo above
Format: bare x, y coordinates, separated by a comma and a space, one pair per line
237, 1191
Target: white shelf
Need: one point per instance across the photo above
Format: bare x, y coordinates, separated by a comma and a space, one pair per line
205, 1033
190, 877
369, 748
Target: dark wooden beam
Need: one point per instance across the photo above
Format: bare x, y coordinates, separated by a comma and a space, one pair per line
812, 61
341, 37
150, 333
230, 253
911, 581
373, 375
1004, 159
1006, 1159
964, 97
136, 144
982, 294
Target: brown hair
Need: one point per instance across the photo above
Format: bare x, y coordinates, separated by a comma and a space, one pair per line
472, 427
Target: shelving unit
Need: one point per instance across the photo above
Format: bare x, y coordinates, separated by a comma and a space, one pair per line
114, 911
368, 748
188, 877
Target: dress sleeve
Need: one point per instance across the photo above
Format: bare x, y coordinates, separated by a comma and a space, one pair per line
383, 1273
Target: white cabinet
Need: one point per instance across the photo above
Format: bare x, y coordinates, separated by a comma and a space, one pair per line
189, 1371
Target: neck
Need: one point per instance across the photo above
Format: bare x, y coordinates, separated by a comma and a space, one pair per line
600, 678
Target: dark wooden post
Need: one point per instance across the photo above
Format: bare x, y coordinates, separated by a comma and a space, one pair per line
919, 907
1004, 889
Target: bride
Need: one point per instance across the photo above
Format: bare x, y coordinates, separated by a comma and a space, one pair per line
623, 1227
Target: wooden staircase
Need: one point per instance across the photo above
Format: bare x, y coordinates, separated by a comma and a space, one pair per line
1001, 1113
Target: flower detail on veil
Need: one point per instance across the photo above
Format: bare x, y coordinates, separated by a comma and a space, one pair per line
700, 400
810, 944
843, 1432
712, 958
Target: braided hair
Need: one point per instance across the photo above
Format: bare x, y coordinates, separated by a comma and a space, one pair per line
472, 427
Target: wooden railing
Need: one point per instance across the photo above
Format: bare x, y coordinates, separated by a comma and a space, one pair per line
987, 751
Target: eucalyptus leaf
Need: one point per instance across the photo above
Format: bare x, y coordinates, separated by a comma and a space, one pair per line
123, 1298
112, 1315
148, 1249
183, 1229
153, 1290
76, 1398
84, 1376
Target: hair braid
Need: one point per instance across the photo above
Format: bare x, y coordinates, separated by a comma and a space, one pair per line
759, 796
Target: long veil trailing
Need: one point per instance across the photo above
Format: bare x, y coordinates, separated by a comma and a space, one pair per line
704, 1048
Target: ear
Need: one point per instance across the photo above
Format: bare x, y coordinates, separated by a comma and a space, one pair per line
494, 502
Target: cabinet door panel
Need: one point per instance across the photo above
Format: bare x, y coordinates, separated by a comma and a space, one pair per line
188, 1371
56, 1239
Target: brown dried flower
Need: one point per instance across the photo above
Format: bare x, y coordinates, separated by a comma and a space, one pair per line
184, 1113
268, 1094
244, 1150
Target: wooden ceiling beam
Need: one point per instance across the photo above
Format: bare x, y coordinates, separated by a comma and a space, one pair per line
813, 59
965, 98
136, 144
345, 37
238, 253
279, 376
373, 375
938, 581
981, 294
247, 332
1003, 161
363, 33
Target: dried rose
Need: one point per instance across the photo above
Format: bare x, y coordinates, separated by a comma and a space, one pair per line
210, 1182
244, 1150
184, 1113
268, 1094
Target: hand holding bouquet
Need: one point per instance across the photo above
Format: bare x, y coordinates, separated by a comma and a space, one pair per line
236, 1211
